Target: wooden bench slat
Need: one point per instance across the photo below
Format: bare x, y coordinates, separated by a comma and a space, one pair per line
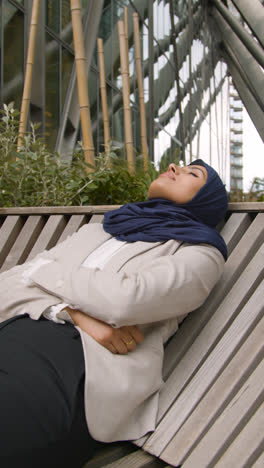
242, 207
9, 231
246, 206
73, 225
49, 235
109, 453
218, 396
138, 459
230, 422
195, 322
212, 331
96, 218
66, 210
189, 392
77, 221
234, 229
259, 463
24, 242
248, 445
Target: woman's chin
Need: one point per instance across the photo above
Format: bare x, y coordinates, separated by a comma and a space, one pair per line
156, 189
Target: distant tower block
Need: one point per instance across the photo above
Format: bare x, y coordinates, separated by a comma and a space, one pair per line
236, 139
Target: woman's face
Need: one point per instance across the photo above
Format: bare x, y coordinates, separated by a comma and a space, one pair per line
178, 184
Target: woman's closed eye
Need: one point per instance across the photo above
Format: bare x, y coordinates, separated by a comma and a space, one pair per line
193, 173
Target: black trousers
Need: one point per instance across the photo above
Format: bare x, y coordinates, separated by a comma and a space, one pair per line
42, 419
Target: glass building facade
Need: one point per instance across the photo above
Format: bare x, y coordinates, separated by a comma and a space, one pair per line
186, 87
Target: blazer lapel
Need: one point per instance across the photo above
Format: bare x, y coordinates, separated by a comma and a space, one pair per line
77, 248
127, 253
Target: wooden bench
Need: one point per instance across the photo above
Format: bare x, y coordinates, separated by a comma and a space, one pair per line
212, 404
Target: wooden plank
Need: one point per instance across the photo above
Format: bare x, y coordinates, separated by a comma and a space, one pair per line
230, 422
109, 453
97, 218
234, 229
138, 459
75, 222
197, 371
195, 321
49, 235
232, 232
8, 233
218, 396
246, 206
259, 463
250, 207
248, 445
55, 210
24, 242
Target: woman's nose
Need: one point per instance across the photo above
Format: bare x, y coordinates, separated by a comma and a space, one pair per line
172, 167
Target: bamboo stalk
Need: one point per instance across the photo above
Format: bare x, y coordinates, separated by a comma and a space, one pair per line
143, 125
177, 78
126, 34
80, 60
126, 97
29, 71
100, 48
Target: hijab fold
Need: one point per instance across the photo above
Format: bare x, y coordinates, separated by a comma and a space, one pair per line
160, 220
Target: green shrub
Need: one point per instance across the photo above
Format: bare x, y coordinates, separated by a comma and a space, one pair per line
33, 176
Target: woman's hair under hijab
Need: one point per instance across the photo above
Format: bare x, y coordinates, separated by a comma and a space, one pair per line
158, 219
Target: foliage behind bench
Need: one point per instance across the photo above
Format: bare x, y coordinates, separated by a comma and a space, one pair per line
35, 176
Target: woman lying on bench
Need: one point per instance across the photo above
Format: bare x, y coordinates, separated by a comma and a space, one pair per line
88, 367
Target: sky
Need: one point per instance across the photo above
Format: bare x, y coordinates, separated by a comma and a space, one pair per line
253, 153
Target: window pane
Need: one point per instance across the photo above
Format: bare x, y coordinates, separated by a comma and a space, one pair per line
67, 62
53, 15
13, 20
66, 24
52, 92
104, 30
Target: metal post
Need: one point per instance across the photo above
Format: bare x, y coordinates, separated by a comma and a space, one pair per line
252, 106
177, 78
100, 48
253, 14
143, 126
151, 110
190, 13
247, 62
37, 97
126, 97
243, 35
190, 110
207, 108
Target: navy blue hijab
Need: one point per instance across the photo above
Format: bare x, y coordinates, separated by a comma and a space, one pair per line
161, 220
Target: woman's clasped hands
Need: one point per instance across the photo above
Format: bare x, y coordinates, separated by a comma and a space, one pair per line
117, 340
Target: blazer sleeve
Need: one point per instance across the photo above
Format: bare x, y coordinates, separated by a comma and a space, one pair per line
166, 287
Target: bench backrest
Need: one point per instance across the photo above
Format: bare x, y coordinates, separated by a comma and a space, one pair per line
213, 368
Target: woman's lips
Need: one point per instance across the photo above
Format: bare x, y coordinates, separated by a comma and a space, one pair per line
168, 174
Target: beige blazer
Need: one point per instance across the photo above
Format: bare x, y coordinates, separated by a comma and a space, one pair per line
152, 285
